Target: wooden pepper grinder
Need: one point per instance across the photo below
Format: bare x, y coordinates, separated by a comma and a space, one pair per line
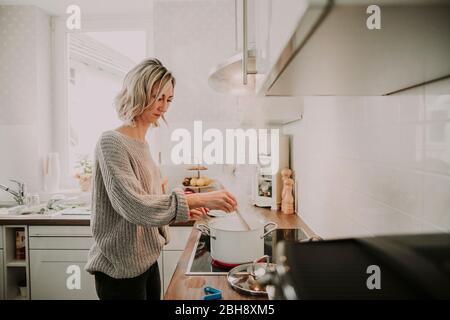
287, 198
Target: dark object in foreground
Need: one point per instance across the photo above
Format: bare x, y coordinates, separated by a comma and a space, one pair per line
384, 267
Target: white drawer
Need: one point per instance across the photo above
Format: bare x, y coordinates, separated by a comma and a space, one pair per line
61, 242
49, 275
178, 238
64, 231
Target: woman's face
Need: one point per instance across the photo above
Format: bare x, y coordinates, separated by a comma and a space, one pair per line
160, 106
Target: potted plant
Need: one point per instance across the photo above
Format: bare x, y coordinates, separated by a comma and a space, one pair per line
84, 173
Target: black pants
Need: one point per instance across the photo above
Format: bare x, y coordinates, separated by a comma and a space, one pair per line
146, 286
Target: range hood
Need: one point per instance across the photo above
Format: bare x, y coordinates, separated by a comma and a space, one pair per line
332, 52
237, 75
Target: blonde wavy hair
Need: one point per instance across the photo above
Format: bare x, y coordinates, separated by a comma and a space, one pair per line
135, 95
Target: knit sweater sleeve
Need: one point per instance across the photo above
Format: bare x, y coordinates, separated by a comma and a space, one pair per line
126, 194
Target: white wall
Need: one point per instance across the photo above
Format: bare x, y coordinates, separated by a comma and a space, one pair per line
191, 37
374, 165
24, 94
160, 137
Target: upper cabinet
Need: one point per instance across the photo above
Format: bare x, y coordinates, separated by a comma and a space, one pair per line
326, 47
275, 22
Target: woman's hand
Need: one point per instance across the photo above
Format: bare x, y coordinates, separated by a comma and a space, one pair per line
218, 200
197, 214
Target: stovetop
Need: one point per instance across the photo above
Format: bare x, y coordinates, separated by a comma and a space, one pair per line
200, 261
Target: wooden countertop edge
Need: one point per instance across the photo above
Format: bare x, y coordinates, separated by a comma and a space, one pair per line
63, 221
183, 287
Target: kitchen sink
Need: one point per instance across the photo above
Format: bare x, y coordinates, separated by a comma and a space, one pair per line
8, 204
13, 208
22, 210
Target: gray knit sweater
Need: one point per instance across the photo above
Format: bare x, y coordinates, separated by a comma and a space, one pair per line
130, 214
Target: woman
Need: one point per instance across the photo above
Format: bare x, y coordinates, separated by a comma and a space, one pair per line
130, 213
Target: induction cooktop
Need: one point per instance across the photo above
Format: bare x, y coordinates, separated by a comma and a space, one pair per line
201, 262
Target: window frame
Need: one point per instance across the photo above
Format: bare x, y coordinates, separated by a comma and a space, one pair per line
61, 72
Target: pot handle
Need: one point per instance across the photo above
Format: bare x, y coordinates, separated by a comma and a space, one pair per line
275, 226
203, 228
256, 261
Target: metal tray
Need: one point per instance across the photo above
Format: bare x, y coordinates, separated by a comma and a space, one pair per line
244, 278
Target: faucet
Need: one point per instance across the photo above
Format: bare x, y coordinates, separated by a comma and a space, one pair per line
18, 195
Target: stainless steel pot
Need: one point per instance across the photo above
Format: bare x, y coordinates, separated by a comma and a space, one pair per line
231, 244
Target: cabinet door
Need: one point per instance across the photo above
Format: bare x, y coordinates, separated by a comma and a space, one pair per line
170, 263
178, 238
161, 274
60, 231
2, 271
59, 274
61, 243
284, 16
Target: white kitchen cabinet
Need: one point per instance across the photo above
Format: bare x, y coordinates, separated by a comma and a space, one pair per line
60, 231
172, 253
334, 52
58, 255
276, 20
170, 259
15, 263
2, 271
178, 238
53, 249
161, 274
72, 243
59, 274
60, 237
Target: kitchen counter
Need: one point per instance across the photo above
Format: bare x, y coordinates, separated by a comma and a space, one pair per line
184, 287
59, 220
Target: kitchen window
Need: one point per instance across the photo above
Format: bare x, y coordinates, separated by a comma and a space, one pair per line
88, 70
98, 62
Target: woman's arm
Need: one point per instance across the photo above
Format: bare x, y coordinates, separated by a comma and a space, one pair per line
126, 193
220, 200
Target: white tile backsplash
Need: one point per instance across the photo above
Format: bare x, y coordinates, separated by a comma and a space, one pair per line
381, 110
411, 108
374, 165
437, 101
436, 200
409, 192
437, 147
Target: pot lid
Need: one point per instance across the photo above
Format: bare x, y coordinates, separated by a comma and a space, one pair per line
230, 223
